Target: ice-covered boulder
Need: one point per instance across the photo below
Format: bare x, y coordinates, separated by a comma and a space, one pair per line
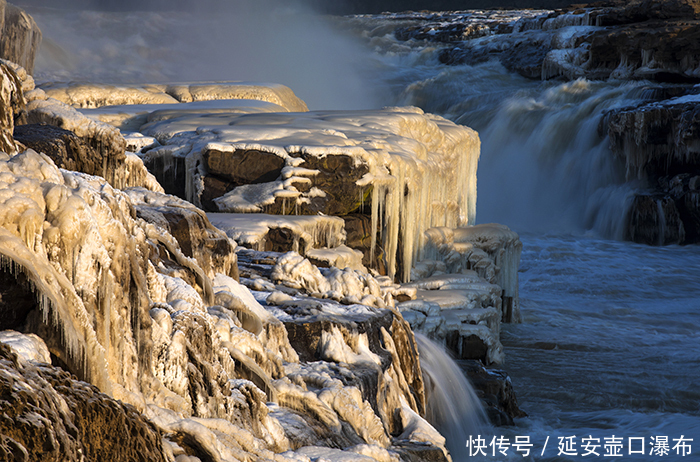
640, 40
117, 302
195, 235
20, 37
76, 142
383, 162
466, 286
491, 250
657, 142
14, 107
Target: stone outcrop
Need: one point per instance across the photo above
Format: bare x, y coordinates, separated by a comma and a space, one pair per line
195, 235
83, 95
78, 143
643, 39
313, 337
49, 415
658, 144
495, 390
13, 107
20, 37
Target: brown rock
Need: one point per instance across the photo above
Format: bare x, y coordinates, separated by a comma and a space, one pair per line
359, 236
64, 147
12, 107
655, 140
306, 331
655, 220
195, 235
243, 166
48, 415
105, 147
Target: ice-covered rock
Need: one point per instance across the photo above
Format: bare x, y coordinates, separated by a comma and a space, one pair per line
117, 301
466, 286
99, 149
29, 347
13, 104
20, 36
81, 95
195, 235
658, 143
72, 152
386, 161
492, 250
281, 233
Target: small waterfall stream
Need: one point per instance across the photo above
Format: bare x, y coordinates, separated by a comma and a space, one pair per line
453, 406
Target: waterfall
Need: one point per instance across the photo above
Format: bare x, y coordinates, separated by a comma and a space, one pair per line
452, 405
545, 163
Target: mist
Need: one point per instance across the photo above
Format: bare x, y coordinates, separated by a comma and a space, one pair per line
150, 41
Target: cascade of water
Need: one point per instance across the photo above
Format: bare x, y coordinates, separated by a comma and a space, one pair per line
452, 405
545, 164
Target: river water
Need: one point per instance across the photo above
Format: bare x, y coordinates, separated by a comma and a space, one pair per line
609, 348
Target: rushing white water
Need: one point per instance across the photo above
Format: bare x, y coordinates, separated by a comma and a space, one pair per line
452, 405
609, 341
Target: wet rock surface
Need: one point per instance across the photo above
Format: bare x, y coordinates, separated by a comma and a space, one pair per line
496, 391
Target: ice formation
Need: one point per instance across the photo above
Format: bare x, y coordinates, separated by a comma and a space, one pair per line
198, 354
299, 233
397, 153
98, 95
465, 288
492, 250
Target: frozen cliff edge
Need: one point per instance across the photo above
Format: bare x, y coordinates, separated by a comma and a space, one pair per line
136, 292
126, 295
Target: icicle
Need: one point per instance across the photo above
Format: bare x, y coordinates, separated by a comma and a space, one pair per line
375, 220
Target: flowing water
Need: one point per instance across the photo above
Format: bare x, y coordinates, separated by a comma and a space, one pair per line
609, 346
452, 405
609, 343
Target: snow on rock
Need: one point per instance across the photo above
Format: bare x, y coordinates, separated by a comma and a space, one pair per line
299, 233
332, 162
130, 117
100, 149
13, 102
492, 250
347, 285
82, 95
29, 347
465, 288
108, 287
338, 257
195, 235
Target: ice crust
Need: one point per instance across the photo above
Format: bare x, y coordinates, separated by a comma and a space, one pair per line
86, 95
200, 356
192, 347
421, 167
